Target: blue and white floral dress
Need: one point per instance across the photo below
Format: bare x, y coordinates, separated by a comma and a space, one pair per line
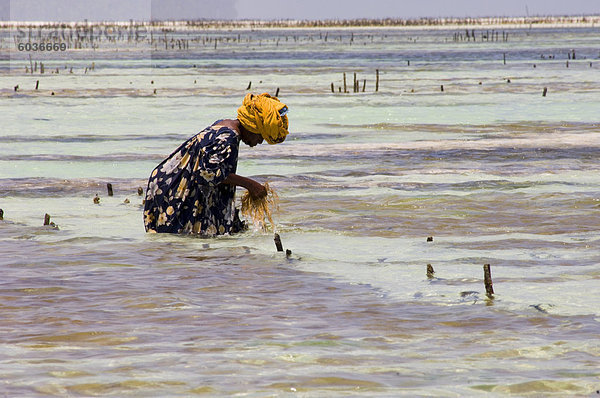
185, 193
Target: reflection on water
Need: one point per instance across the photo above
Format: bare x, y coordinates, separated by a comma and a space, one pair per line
494, 173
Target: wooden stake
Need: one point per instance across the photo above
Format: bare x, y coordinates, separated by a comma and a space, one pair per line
504, 58
109, 189
47, 219
37, 84
442, 88
377, 80
249, 85
277, 92
278, 244
332, 88
545, 91
1, 214
487, 280
364, 85
345, 88
430, 271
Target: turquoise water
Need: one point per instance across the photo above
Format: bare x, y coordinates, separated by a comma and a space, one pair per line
495, 172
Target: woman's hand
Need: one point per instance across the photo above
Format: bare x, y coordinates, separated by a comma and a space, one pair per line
256, 189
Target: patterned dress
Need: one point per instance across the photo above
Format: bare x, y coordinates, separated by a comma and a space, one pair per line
185, 194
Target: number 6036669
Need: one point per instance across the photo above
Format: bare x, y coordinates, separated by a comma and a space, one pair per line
42, 46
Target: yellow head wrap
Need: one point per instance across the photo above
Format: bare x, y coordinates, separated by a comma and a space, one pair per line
261, 114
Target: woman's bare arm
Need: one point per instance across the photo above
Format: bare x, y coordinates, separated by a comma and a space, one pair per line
255, 188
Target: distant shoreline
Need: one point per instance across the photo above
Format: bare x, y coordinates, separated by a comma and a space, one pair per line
420, 23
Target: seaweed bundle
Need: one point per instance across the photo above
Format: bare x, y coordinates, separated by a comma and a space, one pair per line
261, 209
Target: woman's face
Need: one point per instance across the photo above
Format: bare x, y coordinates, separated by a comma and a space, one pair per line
252, 139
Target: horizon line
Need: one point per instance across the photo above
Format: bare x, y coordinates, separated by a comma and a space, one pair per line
390, 21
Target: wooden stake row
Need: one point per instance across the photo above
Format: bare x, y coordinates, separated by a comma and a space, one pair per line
47, 221
110, 192
485, 36
249, 87
109, 188
487, 279
33, 67
356, 84
279, 245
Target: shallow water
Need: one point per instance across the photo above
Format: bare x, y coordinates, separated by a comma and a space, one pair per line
494, 172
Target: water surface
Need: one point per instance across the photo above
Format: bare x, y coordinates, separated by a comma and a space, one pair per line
495, 172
